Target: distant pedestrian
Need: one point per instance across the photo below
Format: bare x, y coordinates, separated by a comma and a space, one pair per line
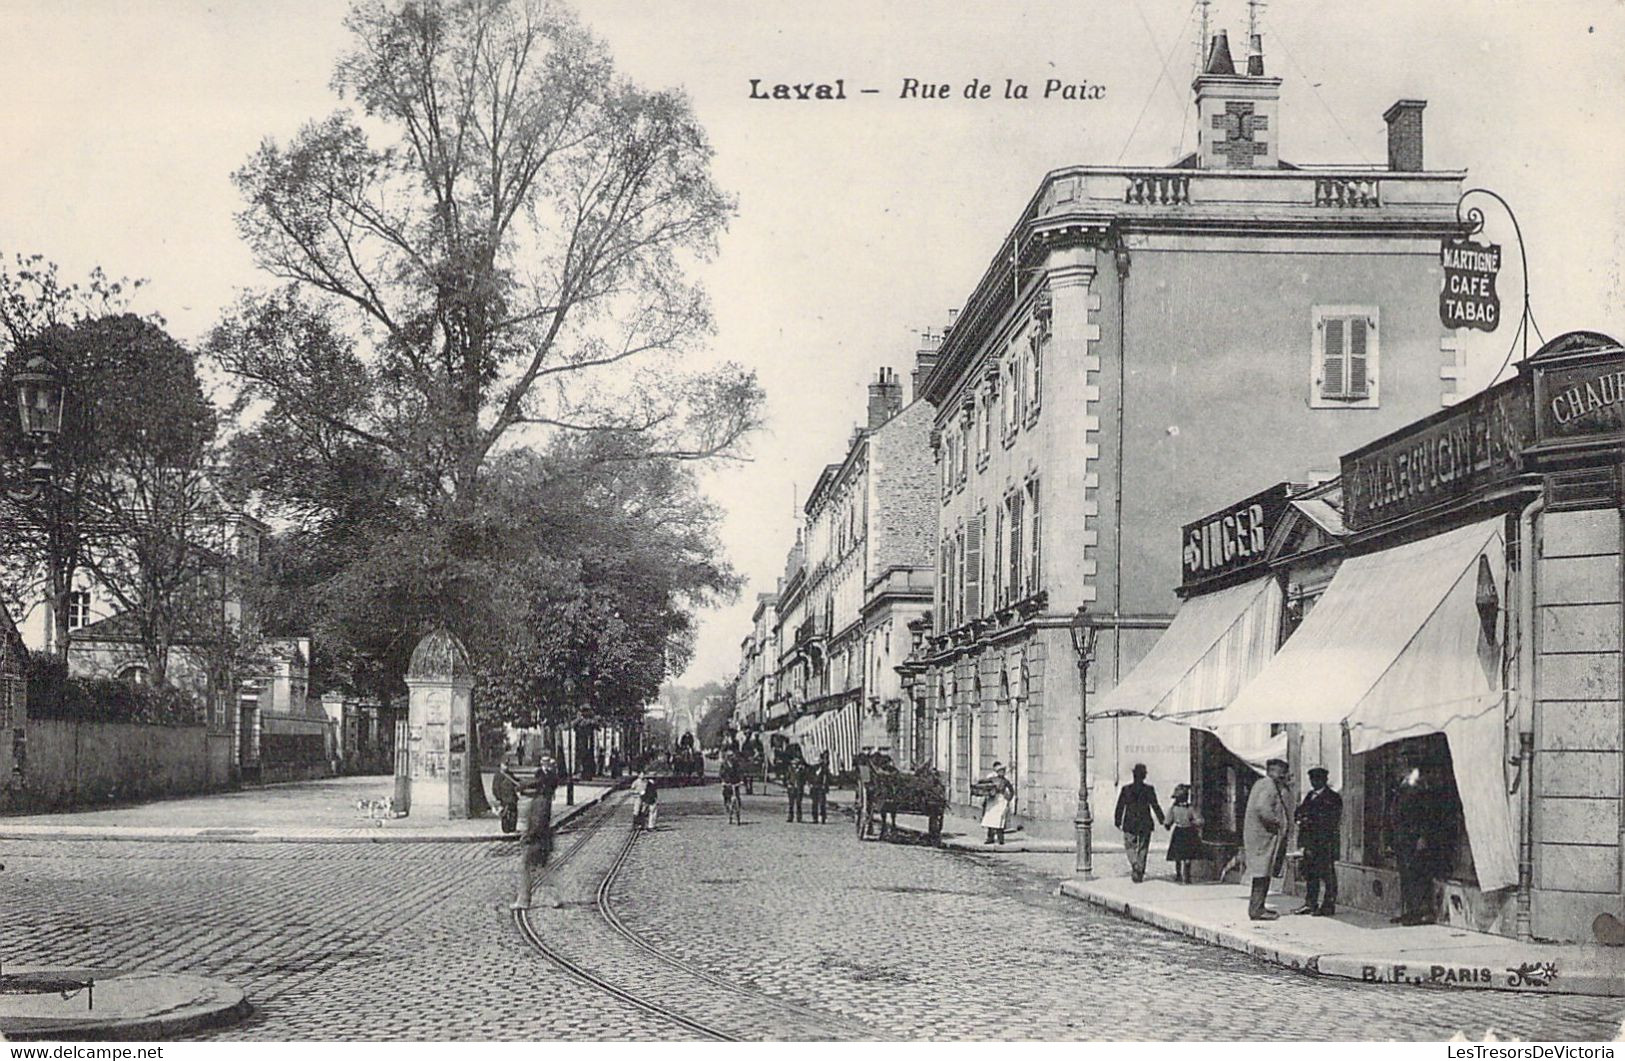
505, 788
537, 845
649, 803
818, 782
1136, 803
996, 804
1185, 843
795, 780
1319, 819
1264, 833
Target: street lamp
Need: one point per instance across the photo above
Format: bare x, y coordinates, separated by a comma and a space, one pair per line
39, 412
1084, 632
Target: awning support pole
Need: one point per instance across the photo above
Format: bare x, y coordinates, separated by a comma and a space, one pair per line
1526, 714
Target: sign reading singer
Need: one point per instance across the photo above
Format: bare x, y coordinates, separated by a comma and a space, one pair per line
1468, 298
1233, 538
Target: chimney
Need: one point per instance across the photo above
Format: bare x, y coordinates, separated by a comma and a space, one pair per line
1404, 120
925, 359
1236, 114
885, 398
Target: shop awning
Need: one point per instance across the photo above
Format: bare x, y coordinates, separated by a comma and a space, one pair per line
1214, 645
1396, 648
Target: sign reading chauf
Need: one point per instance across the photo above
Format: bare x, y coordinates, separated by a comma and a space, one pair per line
1468, 298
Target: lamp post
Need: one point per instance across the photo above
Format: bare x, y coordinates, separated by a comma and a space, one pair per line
1084, 632
39, 414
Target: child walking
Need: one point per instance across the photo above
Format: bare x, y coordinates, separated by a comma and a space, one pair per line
1185, 845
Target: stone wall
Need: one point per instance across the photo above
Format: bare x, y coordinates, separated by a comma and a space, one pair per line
79, 764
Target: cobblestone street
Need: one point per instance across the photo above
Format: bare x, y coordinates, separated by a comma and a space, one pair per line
414, 941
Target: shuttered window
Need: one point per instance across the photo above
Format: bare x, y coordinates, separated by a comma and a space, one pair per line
973, 566
1345, 368
1033, 537
1015, 554
996, 589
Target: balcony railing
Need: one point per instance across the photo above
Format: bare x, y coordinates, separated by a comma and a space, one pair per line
1109, 190
1158, 189
1357, 192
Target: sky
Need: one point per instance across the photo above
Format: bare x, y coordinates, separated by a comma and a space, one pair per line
860, 222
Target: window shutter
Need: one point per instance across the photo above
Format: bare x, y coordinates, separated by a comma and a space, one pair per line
1038, 373
1358, 387
995, 569
1331, 366
1032, 537
1015, 546
973, 566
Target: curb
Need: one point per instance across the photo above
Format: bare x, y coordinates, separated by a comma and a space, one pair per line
215, 835
1415, 968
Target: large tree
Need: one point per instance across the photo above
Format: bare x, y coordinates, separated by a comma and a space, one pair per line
508, 259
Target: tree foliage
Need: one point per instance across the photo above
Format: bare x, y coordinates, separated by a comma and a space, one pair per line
512, 259
474, 399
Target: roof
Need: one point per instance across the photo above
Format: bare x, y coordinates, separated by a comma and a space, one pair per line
440, 657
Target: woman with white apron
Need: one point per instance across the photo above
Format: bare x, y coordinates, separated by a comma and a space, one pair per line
996, 804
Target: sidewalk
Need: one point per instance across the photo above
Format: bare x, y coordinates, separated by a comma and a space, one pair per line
1359, 946
330, 810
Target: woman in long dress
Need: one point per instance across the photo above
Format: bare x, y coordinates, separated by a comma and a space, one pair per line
996, 804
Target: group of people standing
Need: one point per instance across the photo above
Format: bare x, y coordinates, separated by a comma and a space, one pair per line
802, 779
1266, 827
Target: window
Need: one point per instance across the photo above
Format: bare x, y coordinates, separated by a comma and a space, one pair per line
1345, 357
964, 443
1009, 417
1031, 585
974, 534
996, 589
78, 608
1039, 340
1013, 519
959, 576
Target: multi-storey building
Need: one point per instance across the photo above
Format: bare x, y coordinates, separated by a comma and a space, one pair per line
1147, 344
757, 659
859, 572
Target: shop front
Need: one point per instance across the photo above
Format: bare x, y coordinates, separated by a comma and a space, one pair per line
1460, 673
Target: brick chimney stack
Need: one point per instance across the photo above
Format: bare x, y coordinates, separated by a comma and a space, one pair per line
925, 359
885, 398
1404, 120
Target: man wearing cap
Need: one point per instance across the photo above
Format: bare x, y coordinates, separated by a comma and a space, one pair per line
1264, 832
1319, 818
1136, 803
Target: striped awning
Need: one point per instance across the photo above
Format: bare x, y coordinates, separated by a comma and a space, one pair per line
835, 732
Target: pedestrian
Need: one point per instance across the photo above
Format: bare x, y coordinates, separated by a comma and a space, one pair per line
1136, 803
505, 788
1185, 839
1264, 832
1319, 819
1424, 841
996, 804
818, 781
536, 847
729, 772
795, 779
648, 802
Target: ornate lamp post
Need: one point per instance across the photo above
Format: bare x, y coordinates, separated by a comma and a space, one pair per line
39, 412
1084, 632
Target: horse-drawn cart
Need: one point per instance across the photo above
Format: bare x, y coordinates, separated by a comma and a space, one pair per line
884, 794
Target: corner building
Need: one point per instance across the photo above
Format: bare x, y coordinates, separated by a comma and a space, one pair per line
1146, 345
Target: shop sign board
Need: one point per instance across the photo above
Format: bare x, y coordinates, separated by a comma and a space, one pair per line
1231, 539
1580, 400
1468, 299
1450, 455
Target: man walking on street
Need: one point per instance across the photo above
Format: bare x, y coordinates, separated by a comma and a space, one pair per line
505, 787
1136, 803
818, 785
795, 780
1264, 833
536, 846
1319, 818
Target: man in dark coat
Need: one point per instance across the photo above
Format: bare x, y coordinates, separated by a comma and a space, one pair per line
1424, 841
505, 787
1320, 819
1136, 803
818, 781
537, 840
795, 780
